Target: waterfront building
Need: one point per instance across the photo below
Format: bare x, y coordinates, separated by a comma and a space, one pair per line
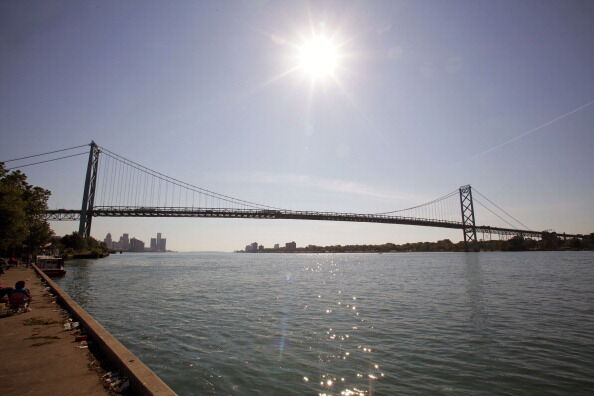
136, 245
160, 243
276, 246
153, 244
108, 242
291, 245
124, 242
251, 248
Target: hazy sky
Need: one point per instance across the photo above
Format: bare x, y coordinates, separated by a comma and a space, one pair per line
426, 96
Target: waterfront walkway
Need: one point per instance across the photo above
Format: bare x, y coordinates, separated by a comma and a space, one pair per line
37, 357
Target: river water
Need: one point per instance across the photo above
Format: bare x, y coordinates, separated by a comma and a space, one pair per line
350, 324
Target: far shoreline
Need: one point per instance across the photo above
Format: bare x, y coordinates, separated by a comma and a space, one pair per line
549, 242
410, 251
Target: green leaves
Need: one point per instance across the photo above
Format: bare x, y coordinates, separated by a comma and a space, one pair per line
22, 206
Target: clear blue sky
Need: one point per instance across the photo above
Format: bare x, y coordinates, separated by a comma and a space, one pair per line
427, 96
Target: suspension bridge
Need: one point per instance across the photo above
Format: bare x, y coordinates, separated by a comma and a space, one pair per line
118, 187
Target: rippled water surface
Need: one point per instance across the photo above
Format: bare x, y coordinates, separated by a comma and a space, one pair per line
350, 324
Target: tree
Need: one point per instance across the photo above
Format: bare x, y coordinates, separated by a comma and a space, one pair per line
74, 241
517, 243
589, 241
574, 243
22, 208
549, 241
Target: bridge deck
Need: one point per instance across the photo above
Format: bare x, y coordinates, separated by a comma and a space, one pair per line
128, 211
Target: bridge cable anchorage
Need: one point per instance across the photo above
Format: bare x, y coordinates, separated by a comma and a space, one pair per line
43, 162
181, 184
46, 153
503, 210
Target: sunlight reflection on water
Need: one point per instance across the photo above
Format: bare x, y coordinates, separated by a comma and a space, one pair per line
352, 324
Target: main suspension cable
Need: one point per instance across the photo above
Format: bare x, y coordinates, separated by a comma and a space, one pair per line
49, 152
168, 181
183, 184
503, 210
42, 162
448, 195
502, 219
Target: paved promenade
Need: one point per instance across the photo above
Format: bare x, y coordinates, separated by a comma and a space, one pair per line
37, 356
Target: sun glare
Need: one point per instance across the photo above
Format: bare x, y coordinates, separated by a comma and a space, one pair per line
318, 57
314, 57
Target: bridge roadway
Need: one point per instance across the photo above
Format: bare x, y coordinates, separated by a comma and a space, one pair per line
130, 211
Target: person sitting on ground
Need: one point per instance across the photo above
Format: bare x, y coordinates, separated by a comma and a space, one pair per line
20, 297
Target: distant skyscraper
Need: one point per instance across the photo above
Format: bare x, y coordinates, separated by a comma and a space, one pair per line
124, 242
160, 243
108, 242
136, 245
153, 243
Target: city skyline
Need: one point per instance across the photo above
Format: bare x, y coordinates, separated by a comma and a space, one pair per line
126, 243
255, 247
361, 107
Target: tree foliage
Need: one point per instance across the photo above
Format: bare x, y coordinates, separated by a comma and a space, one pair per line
73, 246
22, 213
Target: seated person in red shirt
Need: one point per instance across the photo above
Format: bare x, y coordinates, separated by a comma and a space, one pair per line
20, 297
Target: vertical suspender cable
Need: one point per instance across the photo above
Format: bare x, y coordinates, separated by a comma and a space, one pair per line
120, 183
129, 186
152, 196
166, 193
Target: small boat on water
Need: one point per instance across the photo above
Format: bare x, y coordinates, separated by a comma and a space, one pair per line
51, 265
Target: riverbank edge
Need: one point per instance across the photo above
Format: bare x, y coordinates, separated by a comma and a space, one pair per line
143, 381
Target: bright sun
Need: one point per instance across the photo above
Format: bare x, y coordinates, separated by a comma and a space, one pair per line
318, 57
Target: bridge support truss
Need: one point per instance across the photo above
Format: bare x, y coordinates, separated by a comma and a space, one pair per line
86, 211
468, 224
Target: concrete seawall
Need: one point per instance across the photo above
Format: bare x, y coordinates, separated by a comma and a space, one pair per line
143, 381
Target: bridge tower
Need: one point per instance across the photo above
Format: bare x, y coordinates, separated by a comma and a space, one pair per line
469, 227
86, 211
